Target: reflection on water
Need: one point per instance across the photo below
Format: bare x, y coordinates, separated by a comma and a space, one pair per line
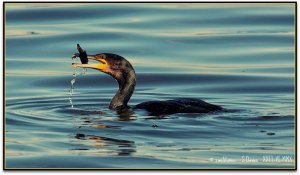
239, 56
104, 146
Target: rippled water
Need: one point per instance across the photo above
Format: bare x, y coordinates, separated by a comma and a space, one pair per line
239, 56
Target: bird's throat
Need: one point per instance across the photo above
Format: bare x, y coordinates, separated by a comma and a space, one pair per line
124, 93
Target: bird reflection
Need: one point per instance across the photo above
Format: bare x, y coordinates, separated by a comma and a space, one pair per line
91, 144
126, 115
105, 145
123, 115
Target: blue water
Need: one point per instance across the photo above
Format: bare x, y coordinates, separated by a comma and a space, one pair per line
239, 56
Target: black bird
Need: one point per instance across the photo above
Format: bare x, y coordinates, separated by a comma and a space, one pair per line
121, 70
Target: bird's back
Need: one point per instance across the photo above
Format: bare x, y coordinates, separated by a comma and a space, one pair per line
179, 105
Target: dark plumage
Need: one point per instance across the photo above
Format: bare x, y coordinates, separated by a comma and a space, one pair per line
179, 105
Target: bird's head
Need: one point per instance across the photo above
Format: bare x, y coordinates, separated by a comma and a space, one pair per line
112, 64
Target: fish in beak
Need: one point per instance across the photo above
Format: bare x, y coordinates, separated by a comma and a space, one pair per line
84, 58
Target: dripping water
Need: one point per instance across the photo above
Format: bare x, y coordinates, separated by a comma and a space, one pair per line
72, 87
71, 91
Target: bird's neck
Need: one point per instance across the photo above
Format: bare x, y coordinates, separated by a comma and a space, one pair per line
126, 88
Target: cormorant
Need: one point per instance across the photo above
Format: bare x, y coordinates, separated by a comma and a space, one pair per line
121, 70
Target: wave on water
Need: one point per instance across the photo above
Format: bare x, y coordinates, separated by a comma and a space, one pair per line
238, 56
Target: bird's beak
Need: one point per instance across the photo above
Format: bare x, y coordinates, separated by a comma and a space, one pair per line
101, 67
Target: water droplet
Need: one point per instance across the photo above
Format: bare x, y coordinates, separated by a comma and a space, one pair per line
71, 91
84, 71
73, 81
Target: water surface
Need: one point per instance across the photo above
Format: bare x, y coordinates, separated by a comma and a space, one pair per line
239, 56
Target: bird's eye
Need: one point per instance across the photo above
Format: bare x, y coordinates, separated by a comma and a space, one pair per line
101, 56
118, 65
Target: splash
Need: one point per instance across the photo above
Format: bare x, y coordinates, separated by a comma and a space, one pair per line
71, 91
72, 87
84, 70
